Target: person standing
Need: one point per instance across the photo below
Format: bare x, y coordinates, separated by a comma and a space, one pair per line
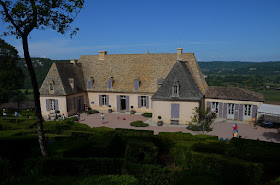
235, 130
63, 117
102, 118
86, 110
78, 116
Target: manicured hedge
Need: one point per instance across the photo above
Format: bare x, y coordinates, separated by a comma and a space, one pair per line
132, 132
5, 169
138, 124
146, 114
228, 169
73, 166
202, 137
148, 174
211, 146
141, 152
93, 111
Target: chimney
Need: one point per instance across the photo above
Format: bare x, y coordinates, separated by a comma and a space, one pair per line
102, 55
73, 61
179, 53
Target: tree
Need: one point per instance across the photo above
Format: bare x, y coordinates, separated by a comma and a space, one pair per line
19, 98
202, 119
11, 76
23, 16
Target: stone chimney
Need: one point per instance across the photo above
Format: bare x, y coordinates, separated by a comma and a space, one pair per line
73, 61
179, 53
102, 55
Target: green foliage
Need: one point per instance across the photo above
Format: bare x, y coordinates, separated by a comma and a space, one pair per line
93, 111
138, 124
147, 114
202, 119
138, 151
148, 174
5, 169
73, 166
274, 182
11, 76
131, 132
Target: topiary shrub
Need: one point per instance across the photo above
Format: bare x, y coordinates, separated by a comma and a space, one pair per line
5, 169
139, 151
138, 124
93, 111
147, 114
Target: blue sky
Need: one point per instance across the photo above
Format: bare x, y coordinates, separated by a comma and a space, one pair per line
228, 30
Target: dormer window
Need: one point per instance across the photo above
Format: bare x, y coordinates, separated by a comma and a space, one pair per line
136, 84
90, 83
72, 83
51, 87
175, 89
110, 83
160, 82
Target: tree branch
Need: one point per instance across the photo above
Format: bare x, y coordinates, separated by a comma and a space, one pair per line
10, 17
33, 23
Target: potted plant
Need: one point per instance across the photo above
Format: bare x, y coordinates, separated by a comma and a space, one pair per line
159, 123
110, 110
132, 111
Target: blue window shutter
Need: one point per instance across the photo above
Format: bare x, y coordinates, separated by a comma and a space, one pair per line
107, 99
147, 102
139, 101
127, 103
100, 100
136, 85
236, 111
208, 104
220, 110
254, 111
225, 110
175, 110
89, 84
109, 84
74, 103
241, 112
48, 104
118, 103
83, 102
56, 105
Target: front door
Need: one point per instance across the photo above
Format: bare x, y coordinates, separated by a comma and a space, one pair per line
230, 111
123, 103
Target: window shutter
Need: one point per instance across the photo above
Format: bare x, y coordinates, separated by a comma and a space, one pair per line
107, 99
220, 110
175, 110
89, 84
139, 101
109, 84
236, 108
241, 112
83, 104
254, 111
56, 105
48, 104
74, 103
147, 102
118, 103
77, 101
100, 100
136, 85
127, 103
225, 110
208, 104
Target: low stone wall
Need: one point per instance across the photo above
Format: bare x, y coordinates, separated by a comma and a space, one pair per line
22, 105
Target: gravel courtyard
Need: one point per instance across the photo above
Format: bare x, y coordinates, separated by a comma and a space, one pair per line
222, 130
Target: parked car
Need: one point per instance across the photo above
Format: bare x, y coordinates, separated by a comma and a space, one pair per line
267, 124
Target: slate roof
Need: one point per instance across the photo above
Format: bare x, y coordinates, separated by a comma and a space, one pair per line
233, 93
125, 68
60, 74
188, 88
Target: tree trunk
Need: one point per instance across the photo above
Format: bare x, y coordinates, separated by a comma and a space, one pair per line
41, 135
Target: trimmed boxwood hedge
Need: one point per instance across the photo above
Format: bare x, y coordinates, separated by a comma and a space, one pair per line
73, 166
138, 124
228, 169
147, 114
141, 152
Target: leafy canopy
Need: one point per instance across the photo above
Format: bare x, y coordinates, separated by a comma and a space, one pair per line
26, 15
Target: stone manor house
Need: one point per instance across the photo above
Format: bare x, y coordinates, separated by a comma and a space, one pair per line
168, 85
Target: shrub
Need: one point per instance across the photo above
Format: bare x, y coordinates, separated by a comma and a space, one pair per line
5, 169
211, 146
93, 111
141, 152
73, 166
110, 180
148, 174
274, 182
147, 114
132, 132
138, 124
202, 137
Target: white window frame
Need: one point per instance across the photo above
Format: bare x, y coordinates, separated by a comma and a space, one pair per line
104, 99
52, 104
176, 90
230, 108
248, 110
143, 101
215, 107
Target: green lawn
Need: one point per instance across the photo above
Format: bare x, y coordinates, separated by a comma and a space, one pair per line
271, 95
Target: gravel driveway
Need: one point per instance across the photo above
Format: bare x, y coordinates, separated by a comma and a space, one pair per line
222, 130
